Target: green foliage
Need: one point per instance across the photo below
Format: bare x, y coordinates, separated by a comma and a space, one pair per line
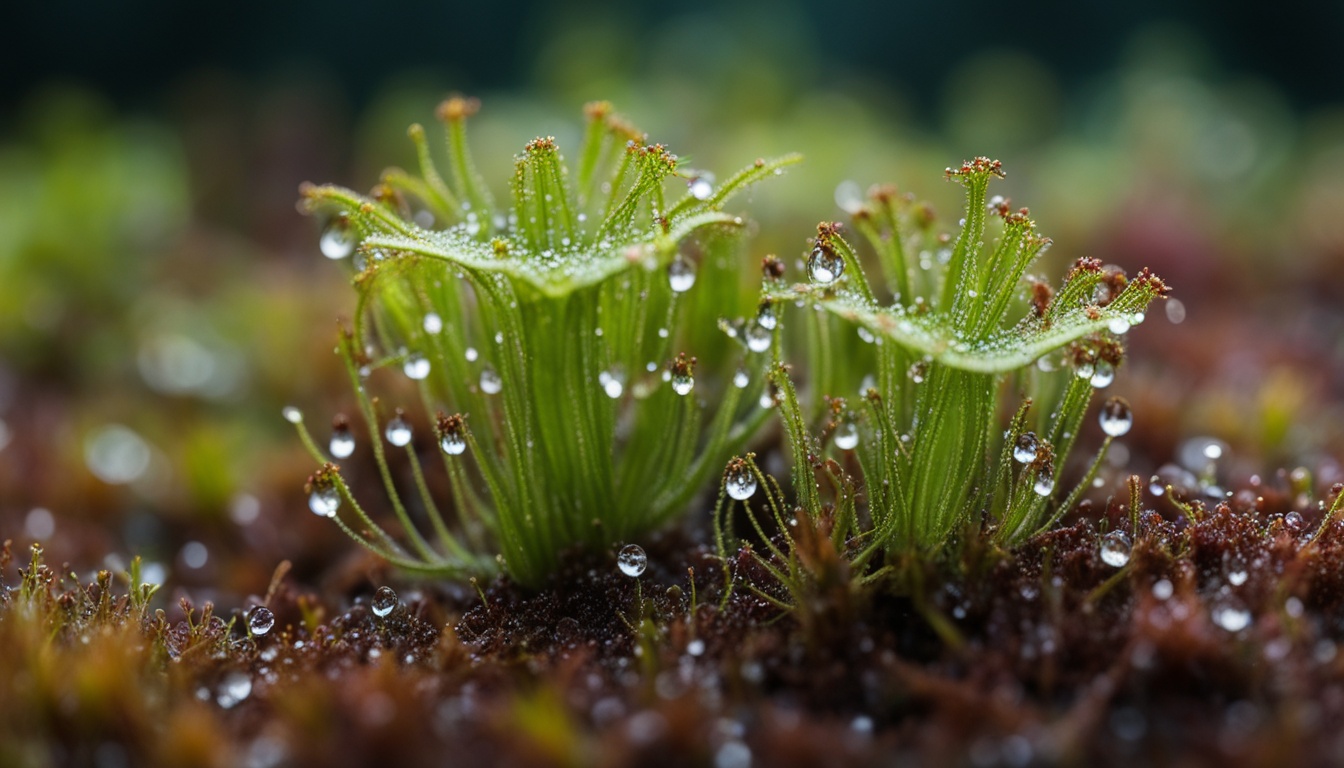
541, 326
958, 338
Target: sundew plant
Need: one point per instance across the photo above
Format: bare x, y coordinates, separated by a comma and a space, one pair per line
546, 337
960, 343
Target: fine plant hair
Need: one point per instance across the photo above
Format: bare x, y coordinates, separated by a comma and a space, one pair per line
962, 340
553, 341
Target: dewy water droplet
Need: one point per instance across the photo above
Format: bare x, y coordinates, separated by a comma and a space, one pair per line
1115, 549
233, 689
453, 443
702, 186
846, 436
682, 384
416, 366
1116, 418
680, 275
742, 378
338, 239
384, 600
325, 501
1231, 616
398, 431
740, 481
1103, 373
342, 443
1045, 482
758, 337
292, 415
632, 561
767, 318
260, 620
612, 382
433, 323
1024, 450
1236, 569
1119, 325
491, 384
825, 266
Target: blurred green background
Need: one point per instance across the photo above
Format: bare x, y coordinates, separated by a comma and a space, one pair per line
161, 298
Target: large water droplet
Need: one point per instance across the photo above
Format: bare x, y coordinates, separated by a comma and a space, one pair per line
338, 239
680, 275
398, 431
233, 689
1231, 616
325, 501
433, 323
1045, 482
846, 436
453, 443
825, 266
1115, 549
1236, 569
491, 384
632, 561
766, 318
416, 366
741, 379
1119, 325
1116, 418
1103, 373
740, 481
682, 384
1025, 448
260, 620
702, 186
613, 382
384, 600
758, 337
342, 443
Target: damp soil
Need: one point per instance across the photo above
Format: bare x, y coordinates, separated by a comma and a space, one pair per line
1212, 639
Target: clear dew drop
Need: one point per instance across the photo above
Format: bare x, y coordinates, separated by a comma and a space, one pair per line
398, 431
1119, 325
1115, 549
433, 323
292, 415
846, 436
260, 620
767, 401
1025, 447
416, 366
324, 501
342, 443
612, 382
740, 482
491, 384
1237, 573
453, 444
741, 379
680, 275
1045, 482
1103, 373
825, 266
1084, 370
631, 560
919, 370
1116, 418
683, 384
701, 187
338, 239
757, 337
866, 335
767, 318
384, 600
471, 354
233, 689
1231, 616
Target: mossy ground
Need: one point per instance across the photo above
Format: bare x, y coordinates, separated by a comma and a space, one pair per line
1044, 655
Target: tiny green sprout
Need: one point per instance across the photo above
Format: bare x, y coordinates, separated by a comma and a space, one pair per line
547, 318
959, 329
